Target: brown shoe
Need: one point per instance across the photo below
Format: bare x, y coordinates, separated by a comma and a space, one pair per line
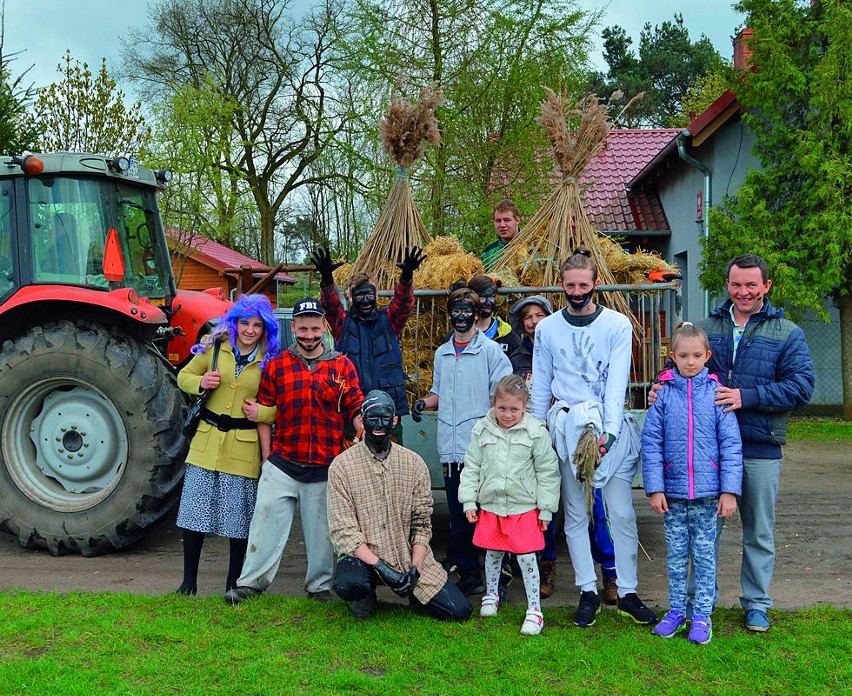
610, 591
547, 573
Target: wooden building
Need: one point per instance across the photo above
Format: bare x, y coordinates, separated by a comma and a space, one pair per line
201, 263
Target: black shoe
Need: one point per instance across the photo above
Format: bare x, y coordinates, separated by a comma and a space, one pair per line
587, 609
241, 594
322, 596
630, 605
471, 583
365, 608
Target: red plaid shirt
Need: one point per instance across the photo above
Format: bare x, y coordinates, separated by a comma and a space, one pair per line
399, 309
312, 406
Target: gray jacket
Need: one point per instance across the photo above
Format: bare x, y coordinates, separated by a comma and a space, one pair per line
464, 385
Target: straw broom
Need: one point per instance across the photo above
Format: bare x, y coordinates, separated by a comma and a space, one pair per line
406, 131
561, 226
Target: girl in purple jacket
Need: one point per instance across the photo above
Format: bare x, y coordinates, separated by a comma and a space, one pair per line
692, 471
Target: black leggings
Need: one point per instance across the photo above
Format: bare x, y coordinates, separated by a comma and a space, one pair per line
354, 580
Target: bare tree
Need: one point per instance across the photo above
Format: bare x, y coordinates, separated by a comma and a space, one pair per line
273, 68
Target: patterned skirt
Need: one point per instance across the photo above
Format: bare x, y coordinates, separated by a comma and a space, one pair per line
514, 533
216, 503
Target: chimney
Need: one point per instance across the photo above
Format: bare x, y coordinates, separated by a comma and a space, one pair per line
742, 49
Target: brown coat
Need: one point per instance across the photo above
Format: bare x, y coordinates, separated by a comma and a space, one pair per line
235, 451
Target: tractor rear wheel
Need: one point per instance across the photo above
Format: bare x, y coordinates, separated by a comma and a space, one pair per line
90, 441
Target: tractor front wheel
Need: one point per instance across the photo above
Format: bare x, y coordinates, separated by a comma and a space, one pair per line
90, 438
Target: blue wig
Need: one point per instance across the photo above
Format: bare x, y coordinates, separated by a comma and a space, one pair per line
246, 307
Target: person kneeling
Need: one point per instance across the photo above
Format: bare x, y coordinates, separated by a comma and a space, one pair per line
374, 482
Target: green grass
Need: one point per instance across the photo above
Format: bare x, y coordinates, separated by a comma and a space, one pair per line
126, 644
820, 430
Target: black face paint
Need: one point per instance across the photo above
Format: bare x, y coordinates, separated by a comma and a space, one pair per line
487, 302
364, 300
308, 345
579, 302
378, 423
462, 316
377, 414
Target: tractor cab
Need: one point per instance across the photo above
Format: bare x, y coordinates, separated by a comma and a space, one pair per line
89, 222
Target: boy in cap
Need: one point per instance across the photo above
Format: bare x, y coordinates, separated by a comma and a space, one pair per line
311, 390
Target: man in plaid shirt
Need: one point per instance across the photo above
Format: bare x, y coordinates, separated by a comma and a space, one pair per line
379, 511
311, 391
367, 335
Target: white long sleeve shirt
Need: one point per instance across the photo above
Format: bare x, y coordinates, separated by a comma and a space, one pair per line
577, 364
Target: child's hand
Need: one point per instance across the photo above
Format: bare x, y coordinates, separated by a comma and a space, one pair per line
727, 505
659, 504
471, 516
543, 524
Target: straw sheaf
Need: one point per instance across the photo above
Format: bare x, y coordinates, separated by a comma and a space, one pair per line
406, 130
409, 128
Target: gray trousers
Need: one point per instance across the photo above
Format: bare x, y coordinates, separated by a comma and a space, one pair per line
761, 478
277, 495
618, 499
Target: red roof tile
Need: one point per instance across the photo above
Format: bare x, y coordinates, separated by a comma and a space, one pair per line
607, 203
220, 257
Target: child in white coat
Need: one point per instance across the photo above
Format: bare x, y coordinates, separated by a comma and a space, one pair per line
512, 473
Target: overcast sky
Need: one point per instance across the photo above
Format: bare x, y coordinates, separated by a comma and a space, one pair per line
92, 29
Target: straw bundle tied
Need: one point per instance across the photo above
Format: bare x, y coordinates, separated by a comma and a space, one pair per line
587, 458
406, 130
560, 226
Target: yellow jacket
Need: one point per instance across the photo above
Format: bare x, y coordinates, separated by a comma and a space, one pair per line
235, 451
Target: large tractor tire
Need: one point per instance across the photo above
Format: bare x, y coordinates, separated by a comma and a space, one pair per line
90, 441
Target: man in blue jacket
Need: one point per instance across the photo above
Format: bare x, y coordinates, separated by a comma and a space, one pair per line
764, 364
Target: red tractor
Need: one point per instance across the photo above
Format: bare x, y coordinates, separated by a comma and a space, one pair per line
91, 450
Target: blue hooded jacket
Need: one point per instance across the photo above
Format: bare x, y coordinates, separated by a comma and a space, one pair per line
691, 448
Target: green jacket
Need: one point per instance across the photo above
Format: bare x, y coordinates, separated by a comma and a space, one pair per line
491, 254
510, 472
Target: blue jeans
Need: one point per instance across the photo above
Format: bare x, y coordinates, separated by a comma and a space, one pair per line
461, 551
691, 535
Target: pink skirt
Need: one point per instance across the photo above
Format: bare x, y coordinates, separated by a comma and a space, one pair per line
515, 533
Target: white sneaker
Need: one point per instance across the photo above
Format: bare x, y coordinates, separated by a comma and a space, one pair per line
490, 605
533, 623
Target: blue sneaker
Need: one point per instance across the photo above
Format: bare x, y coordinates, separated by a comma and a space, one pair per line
756, 620
671, 623
700, 630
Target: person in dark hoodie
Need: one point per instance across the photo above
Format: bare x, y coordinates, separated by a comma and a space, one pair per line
369, 335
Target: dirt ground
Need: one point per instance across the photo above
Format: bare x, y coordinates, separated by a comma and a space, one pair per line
812, 533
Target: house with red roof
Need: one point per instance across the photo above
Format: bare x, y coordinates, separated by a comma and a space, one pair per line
637, 216
200, 263
697, 168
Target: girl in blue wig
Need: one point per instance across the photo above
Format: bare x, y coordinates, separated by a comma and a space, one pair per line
244, 308
223, 464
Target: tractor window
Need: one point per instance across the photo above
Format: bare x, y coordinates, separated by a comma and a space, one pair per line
147, 263
69, 220
7, 268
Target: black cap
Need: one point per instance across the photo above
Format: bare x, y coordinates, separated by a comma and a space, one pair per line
308, 305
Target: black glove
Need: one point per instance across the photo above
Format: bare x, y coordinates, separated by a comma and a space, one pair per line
321, 258
392, 578
605, 443
417, 410
410, 263
409, 581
